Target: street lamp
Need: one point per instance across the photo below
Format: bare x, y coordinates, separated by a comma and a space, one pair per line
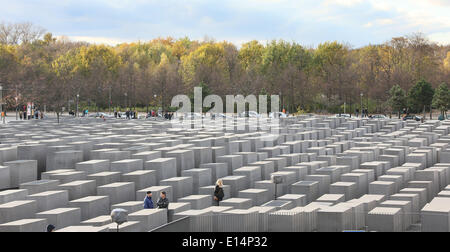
126, 101
362, 104
78, 97
1, 100
17, 106
110, 100
156, 103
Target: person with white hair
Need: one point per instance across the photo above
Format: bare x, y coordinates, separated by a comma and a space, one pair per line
218, 192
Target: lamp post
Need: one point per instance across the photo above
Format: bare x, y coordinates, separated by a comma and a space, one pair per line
1, 100
78, 97
17, 105
110, 101
126, 101
362, 104
156, 103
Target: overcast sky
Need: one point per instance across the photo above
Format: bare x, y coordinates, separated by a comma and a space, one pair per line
308, 22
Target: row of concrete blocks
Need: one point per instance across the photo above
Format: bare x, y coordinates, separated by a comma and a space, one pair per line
69, 220
164, 165
186, 192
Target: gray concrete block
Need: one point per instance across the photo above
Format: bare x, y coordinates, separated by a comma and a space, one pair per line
25, 225
5, 178
334, 219
406, 208
104, 178
298, 200
98, 221
332, 198
386, 188
22, 171
67, 177
300, 171
50, 200
91, 206
236, 183
308, 188
428, 185
165, 168
130, 206
147, 155
127, 165
218, 170
258, 196
238, 219
61, 217
181, 186
349, 189
80, 189
141, 179
12, 195
234, 162
94, 166
237, 203
118, 192
175, 208
149, 219
267, 168
202, 155
197, 202
385, 219
201, 178
324, 182
252, 174
185, 159
361, 180
16, 210
39, 186
64, 160
82, 229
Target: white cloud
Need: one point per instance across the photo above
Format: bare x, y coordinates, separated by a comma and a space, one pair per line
358, 22
441, 37
347, 3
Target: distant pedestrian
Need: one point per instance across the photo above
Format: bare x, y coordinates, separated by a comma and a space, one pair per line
50, 228
218, 192
148, 203
163, 201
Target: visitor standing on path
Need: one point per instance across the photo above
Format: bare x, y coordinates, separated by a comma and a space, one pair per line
148, 203
218, 192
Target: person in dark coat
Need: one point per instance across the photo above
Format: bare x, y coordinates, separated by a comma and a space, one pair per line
50, 228
148, 202
163, 201
218, 192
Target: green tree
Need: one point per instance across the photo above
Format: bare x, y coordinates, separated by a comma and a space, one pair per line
397, 99
441, 99
420, 96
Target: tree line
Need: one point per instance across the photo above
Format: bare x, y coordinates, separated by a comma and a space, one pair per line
55, 72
